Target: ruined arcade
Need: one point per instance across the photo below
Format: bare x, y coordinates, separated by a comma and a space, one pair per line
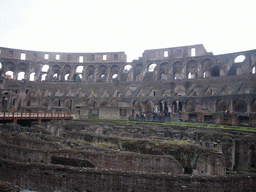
171, 84
188, 81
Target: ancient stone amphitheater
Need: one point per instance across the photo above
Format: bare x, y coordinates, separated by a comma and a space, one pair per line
182, 82
171, 84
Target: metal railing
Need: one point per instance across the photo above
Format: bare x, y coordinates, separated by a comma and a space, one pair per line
39, 115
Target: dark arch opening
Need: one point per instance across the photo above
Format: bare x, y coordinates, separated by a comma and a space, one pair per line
71, 162
215, 71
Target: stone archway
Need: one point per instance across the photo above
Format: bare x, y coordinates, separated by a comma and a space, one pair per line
176, 106
190, 106
221, 105
137, 107
240, 106
149, 107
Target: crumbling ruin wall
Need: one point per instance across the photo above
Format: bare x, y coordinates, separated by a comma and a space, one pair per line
44, 177
177, 80
106, 159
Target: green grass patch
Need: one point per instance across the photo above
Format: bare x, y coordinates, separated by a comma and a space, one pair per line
181, 124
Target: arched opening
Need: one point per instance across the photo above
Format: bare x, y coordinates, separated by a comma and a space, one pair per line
55, 77
127, 68
149, 107
191, 75
79, 69
162, 106
21, 75
9, 75
55, 103
137, 108
67, 103
66, 77
215, 71
32, 76
221, 106
90, 78
192, 69
176, 106
204, 75
103, 103
240, 106
71, 162
232, 71
177, 67
78, 78
190, 106
43, 78
114, 78
103, 77
163, 74
239, 59
151, 67
45, 68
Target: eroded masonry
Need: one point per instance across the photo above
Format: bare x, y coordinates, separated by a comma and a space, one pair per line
113, 156
187, 83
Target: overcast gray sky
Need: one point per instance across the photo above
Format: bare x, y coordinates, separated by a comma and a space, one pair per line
132, 26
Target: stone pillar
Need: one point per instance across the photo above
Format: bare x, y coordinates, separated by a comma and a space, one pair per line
169, 108
249, 107
108, 75
162, 103
231, 105
177, 105
155, 108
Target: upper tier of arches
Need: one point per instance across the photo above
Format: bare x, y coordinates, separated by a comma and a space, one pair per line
190, 62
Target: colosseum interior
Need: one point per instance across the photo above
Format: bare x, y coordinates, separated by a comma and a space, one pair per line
89, 153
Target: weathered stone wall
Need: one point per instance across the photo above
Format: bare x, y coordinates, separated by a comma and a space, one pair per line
178, 82
62, 178
106, 159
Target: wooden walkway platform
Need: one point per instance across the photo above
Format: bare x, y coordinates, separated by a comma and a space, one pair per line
15, 116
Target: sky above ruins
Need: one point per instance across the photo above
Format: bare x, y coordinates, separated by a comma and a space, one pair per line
222, 26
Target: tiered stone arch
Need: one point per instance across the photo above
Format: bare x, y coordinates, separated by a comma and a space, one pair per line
55, 76
102, 73
240, 106
137, 105
163, 74
65, 75
221, 105
149, 106
103, 103
55, 103
137, 72
192, 69
67, 103
90, 72
177, 71
190, 106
